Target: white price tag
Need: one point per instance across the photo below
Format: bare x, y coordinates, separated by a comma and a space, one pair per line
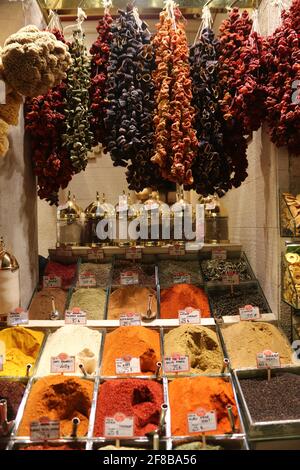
202, 421
2, 92
128, 365
210, 206
177, 363
76, 316
133, 253
267, 360
18, 317
87, 279
119, 426
95, 254
177, 250
51, 281
231, 278
62, 363
249, 313
218, 253
128, 278
44, 430
181, 278
189, 315
130, 319
1, 362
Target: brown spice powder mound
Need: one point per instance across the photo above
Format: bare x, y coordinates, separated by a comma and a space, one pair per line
136, 341
59, 398
245, 339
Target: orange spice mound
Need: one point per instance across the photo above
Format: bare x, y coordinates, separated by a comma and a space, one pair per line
186, 395
59, 398
136, 341
180, 296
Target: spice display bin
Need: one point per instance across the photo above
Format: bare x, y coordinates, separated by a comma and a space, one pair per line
76, 444
73, 289
147, 263
227, 443
231, 257
183, 267
104, 283
262, 430
250, 289
165, 330
155, 305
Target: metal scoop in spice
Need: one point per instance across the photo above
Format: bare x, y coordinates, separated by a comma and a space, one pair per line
54, 315
149, 313
5, 425
75, 424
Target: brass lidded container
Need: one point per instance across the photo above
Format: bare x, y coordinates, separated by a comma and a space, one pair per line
182, 217
105, 221
9, 281
154, 210
94, 213
216, 224
126, 212
69, 223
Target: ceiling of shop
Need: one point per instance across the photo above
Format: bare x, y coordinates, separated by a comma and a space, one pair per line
147, 8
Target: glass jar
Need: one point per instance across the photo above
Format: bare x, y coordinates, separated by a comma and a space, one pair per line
69, 223
9, 281
182, 219
93, 215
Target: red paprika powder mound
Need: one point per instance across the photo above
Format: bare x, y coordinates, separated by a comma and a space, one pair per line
139, 398
67, 272
180, 296
136, 341
186, 395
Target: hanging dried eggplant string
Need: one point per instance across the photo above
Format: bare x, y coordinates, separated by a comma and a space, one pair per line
283, 103
234, 31
77, 139
175, 138
45, 124
99, 63
212, 167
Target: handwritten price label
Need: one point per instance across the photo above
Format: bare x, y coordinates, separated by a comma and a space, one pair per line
87, 279
128, 278
95, 254
62, 363
133, 253
177, 250
189, 315
130, 319
128, 365
231, 278
249, 313
176, 363
44, 430
119, 426
218, 253
181, 278
268, 360
18, 317
202, 421
51, 281
76, 316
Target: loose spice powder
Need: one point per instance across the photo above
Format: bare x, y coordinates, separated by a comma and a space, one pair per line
66, 272
41, 305
188, 394
12, 392
136, 341
139, 398
180, 296
131, 299
59, 398
22, 347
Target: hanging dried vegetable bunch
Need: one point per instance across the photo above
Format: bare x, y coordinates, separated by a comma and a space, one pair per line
175, 138
99, 62
45, 123
34, 61
283, 103
212, 166
248, 105
77, 139
234, 32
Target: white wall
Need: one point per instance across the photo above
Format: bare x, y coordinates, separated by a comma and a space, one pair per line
18, 204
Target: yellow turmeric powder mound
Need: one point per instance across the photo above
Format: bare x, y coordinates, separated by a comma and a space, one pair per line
21, 346
135, 341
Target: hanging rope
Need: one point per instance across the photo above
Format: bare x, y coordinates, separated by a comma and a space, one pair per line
170, 6
107, 4
206, 22
54, 22
77, 28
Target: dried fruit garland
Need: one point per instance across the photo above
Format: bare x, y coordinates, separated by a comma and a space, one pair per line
212, 166
45, 123
99, 62
175, 138
234, 32
283, 103
77, 138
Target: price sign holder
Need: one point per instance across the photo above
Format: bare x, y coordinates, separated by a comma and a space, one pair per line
176, 363
181, 278
118, 426
130, 319
133, 253
95, 254
63, 363
87, 279
219, 253
249, 312
76, 316
128, 278
268, 360
189, 315
128, 365
18, 316
202, 421
44, 429
177, 250
51, 281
